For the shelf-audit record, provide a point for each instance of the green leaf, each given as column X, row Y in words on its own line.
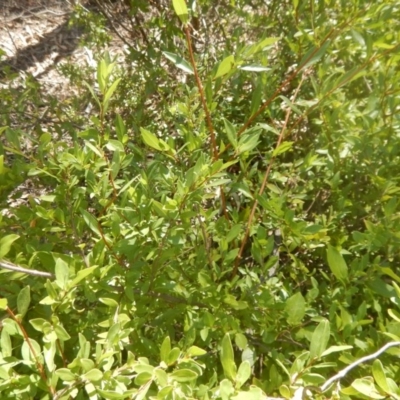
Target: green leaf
column 183, row 375
column 5, row 244
column 94, row 149
column 65, row 374
column 109, row 302
column 194, row 351
column 61, row 333
column 254, row 393
column 313, row 55
column 93, row 376
column 241, row 341
column 319, row 339
column 39, row 324
column 91, row 221
column 5, row 344
column 227, row 357
column 62, row 273
column 248, row 142
column 282, row 148
column 181, row 10
column 380, row 376
column 243, row 374
column 225, row 66
column 165, row 349
column 254, row 68
column 295, row 308
column 110, row 92
column 179, row 62
column 112, row 395
column 82, row 274
column 336, row 263
column 150, row 139
column 173, row 355
column 366, row 387
column 226, row 389
column 335, row 349
column 230, row 131
column 23, row 300
column 234, row 233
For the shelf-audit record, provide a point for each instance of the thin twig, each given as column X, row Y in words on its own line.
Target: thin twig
column 214, row 150
column 264, row 183
column 344, row 371
column 13, row 267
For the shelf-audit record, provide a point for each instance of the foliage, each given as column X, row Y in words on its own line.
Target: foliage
column 214, row 229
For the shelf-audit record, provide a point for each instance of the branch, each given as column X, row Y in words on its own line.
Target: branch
column 13, row 267
column 344, row 371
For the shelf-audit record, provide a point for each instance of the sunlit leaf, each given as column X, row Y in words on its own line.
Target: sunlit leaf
column 179, row 62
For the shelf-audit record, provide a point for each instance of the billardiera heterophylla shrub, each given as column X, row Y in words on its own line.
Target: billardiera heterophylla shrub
column 243, row 245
